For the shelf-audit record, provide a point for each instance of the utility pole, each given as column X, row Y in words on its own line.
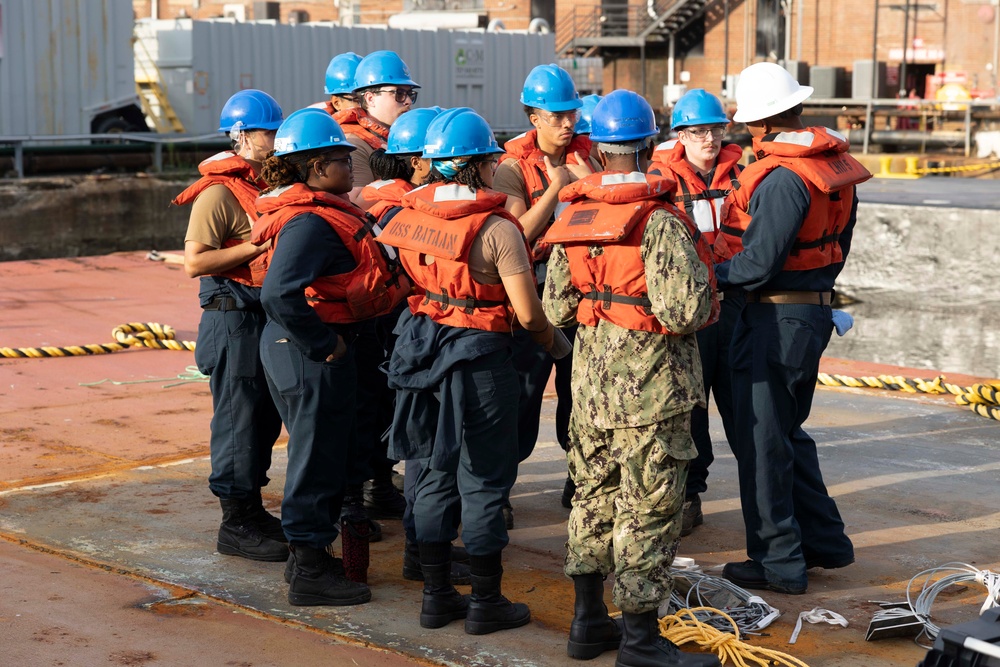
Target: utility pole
column 906, row 43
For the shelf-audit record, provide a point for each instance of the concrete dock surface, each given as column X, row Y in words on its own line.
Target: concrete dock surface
column 108, row 527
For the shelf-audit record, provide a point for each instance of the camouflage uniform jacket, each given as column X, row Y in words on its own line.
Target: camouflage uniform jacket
column 624, row 378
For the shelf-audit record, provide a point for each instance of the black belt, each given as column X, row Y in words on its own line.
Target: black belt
column 222, row 303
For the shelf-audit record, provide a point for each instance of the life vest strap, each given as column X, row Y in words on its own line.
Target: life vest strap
column 468, row 304
column 607, row 297
column 732, row 231
column 818, row 243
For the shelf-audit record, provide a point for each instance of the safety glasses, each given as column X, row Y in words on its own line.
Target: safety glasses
column 558, row 119
column 399, row 94
column 701, row 132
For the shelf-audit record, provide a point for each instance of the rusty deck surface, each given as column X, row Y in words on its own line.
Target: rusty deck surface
column 107, row 525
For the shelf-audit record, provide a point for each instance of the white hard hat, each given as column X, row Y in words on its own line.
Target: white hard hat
column 765, row 90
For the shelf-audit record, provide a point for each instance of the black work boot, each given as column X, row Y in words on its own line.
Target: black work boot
column 383, row 500
column 692, row 516
column 268, row 524
column 412, row 570
column 593, row 632
column 442, row 604
column 644, row 646
column 338, row 566
column 489, row 610
column 318, row 579
column 239, row 535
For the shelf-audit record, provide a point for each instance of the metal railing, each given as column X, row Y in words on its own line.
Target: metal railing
column 593, row 22
column 157, row 142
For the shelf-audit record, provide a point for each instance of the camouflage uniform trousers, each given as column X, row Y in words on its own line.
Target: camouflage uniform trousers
column 626, row 514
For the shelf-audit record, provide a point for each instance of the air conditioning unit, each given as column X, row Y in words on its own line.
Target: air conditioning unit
column 235, row 11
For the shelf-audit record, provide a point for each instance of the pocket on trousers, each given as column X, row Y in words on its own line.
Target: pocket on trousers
column 243, row 344
column 206, row 350
column 283, row 365
column 794, row 342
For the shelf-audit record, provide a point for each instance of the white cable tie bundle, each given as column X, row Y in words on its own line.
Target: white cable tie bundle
column 991, row 580
column 817, row 615
column 767, row 619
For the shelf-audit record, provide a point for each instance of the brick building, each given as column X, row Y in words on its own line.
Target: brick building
column 514, row 14
column 819, row 40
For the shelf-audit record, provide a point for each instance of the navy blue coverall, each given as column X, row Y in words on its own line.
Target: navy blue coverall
column 316, row 398
column 776, row 349
column 245, row 423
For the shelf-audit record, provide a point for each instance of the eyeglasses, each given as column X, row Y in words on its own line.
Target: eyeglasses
column 702, row 132
column 558, row 119
column 346, row 158
column 400, row 94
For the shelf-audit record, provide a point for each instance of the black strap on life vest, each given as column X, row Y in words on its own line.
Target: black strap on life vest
column 468, row 304
column 718, row 193
column 732, row 231
column 799, row 246
column 606, row 297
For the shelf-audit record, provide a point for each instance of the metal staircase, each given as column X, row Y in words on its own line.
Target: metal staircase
column 153, row 98
column 583, row 31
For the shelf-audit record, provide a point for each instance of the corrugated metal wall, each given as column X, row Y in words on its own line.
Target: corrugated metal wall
column 455, row 68
column 60, row 60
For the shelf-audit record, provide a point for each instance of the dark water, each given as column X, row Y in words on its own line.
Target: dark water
column 920, row 331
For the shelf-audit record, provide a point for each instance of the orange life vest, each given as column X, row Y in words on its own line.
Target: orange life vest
column 238, row 175
column 702, row 203
column 386, row 195
column 439, row 222
column 524, row 148
column 611, row 209
column 358, row 122
column 530, row 158
column 372, row 288
column 819, row 156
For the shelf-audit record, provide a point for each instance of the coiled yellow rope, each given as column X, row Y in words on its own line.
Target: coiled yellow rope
column 683, row 628
column 983, row 399
column 133, row 334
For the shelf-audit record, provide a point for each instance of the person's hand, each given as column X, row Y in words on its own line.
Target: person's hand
column 558, row 176
column 264, row 247
column 579, row 170
column 544, row 337
column 339, row 351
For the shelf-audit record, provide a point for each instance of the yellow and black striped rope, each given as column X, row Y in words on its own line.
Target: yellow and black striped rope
column 983, row 399
column 958, row 168
column 133, row 334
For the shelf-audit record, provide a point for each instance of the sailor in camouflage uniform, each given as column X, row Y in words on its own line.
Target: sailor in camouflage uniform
column 625, row 266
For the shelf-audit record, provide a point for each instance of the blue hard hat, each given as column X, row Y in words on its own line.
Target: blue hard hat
column 586, row 112
column 457, row 133
column 252, row 109
column 309, row 129
column 622, row 116
column 340, row 74
column 698, row 107
column 380, row 68
column 407, row 134
column 551, row 88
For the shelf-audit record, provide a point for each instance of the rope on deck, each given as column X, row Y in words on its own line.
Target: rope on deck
column 983, row 399
column 134, row 334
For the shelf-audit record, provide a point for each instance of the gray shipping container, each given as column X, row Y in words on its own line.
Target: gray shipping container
column 202, row 63
column 66, row 67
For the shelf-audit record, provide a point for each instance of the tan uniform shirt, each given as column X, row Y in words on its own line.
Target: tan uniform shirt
column 217, row 217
